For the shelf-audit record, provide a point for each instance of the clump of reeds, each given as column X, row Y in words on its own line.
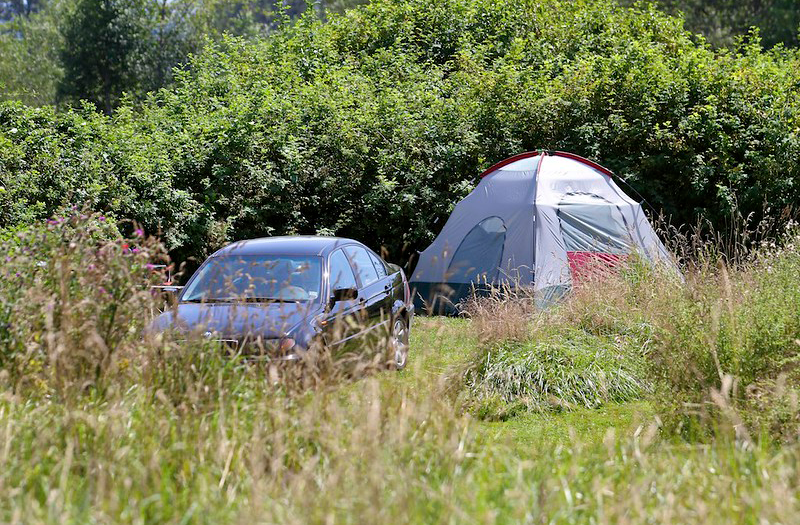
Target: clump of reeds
column 559, row 358
column 561, row 372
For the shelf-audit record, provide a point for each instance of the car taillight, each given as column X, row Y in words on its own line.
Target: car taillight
column 407, row 291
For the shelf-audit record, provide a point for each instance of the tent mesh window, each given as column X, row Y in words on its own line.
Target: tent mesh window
column 592, row 224
column 595, row 233
column 478, row 257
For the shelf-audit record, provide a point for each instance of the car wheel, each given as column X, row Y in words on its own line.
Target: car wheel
column 399, row 343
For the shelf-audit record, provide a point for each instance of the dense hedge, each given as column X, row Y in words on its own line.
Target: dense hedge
column 374, row 124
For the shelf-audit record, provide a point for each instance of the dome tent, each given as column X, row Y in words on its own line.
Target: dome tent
column 535, row 219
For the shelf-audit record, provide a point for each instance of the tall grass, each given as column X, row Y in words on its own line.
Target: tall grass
column 104, row 421
column 564, row 357
column 74, row 298
column 567, row 371
column 174, row 431
column 718, row 346
column 376, row 452
column 240, row 449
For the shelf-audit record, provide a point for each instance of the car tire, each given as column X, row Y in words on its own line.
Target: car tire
column 398, row 343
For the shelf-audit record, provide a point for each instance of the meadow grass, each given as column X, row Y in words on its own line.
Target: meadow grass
column 386, row 448
column 717, row 347
column 100, row 423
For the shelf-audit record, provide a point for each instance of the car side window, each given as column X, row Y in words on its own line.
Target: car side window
column 380, row 267
column 341, row 274
column 363, row 264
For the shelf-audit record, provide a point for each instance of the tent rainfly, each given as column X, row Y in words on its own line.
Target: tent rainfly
column 537, row 219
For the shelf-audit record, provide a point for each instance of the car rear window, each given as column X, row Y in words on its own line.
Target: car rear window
column 380, row 266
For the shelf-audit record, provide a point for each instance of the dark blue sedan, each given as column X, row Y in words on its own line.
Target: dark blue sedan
column 279, row 296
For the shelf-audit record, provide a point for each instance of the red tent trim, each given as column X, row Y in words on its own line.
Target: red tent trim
column 509, row 160
column 598, row 167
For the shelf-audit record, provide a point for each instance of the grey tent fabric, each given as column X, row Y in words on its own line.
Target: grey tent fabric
column 530, row 221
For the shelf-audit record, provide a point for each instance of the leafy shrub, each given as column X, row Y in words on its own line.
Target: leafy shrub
column 373, row 124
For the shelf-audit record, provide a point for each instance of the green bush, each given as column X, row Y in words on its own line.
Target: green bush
column 375, row 123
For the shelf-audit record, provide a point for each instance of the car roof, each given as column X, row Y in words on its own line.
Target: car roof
column 287, row 245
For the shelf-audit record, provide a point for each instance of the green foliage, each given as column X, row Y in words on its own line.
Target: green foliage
column 29, row 62
column 13, row 8
column 373, row 124
column 103, row 40
column 722, row 21
column 122, row 46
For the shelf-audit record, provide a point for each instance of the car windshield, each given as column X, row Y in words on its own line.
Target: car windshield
column 256, row 278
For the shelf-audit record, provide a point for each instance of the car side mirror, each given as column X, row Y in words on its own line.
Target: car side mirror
column 343, row 294
column 169, row 294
